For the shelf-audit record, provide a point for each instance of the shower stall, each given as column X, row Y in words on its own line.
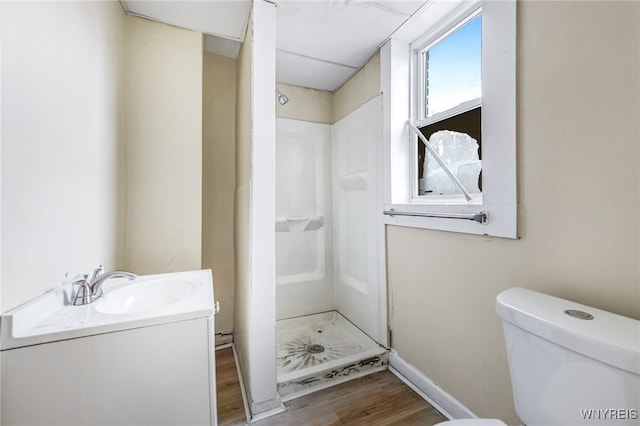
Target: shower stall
column 330, row 285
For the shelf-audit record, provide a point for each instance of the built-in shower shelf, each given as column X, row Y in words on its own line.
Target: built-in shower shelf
column 353, row 182
column 299, row 223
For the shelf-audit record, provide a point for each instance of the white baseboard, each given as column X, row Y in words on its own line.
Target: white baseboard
column 268, row 413
column 223, row 339
column 427, row 388
column 279, row 406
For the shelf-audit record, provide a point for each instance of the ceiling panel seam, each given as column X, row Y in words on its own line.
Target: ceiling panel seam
column 317, row 59
column 387, row 9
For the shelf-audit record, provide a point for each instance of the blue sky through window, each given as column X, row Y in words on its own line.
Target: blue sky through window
column 454, row 68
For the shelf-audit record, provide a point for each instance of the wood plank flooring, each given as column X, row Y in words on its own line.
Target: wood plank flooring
column 230, row 405
column 376, row 399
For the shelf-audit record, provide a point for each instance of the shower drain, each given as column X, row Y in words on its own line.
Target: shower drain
column 315, row 348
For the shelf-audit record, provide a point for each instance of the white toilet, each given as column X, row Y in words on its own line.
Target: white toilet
column 570, row 364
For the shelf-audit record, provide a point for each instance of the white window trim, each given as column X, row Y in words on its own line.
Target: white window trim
column 451, row 112
column 498, row 121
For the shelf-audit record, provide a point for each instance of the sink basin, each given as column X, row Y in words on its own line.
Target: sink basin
column 145, row 296
column 148, row 300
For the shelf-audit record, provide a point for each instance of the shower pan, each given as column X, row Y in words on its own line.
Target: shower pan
column 321, row 350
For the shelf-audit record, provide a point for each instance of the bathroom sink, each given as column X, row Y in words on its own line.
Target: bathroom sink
column 149, row 300
column 145, row 296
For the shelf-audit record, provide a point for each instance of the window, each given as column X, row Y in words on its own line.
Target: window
column 451, row 72
column 449, row 69
column 448, row 93
column 458, row 140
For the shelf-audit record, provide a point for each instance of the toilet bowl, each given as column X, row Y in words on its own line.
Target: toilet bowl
column 569, row 363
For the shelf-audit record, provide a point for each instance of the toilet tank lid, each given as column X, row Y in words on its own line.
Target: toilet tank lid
column 608, row 337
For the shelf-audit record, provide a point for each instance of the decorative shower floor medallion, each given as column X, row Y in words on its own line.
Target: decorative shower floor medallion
column 320, row 350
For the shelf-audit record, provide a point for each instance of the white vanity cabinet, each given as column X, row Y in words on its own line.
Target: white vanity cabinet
column 140, row 373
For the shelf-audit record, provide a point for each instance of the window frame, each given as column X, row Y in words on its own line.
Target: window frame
column 398, row 56
column 418, row 67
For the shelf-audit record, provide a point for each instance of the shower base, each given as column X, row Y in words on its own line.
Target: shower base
column 317, row 351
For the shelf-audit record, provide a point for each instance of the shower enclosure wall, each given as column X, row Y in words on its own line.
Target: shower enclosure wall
column 304, row 245
column 330, row 287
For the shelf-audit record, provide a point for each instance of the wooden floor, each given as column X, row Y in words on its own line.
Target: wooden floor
column 230, row 405
column 376, row 399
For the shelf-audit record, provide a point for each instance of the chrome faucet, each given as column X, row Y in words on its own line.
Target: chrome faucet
column 90, row 290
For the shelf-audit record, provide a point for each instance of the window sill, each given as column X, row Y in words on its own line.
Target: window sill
column 500, row 220
column 448, row 200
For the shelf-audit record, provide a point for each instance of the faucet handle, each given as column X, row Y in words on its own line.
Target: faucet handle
column 79, row 279
column 96, row 273
column 83, row 294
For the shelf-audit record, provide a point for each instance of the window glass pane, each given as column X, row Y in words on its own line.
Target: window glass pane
column 458, row 141
column 453, row 69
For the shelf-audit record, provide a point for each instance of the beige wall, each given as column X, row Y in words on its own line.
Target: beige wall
column 163, row 122
column 579, row 191
column 79, row 98
column 218, row 183
column 61, row 135
column 358, row 90
column 305, row 104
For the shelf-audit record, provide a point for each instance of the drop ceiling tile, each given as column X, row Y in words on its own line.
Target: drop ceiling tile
column 341, row 32
column 320, row 43
column 309, row 72
column 225, row 18
column 406, row 8
column 221, row 46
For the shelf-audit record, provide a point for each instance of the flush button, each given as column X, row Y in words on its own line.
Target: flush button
column 579, row 314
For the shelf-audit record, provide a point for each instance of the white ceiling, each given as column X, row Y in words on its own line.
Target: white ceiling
column 226, row 18
column 319, row 44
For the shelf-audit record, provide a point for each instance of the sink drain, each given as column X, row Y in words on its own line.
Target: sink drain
column 315, row 348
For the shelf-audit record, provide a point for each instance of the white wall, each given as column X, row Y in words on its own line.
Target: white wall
column 255, row 211
column 307, row 117
column 304, row 248
column 1, row 8
column 358, row 230
column 61, row 132
column 579, row 196
column 163, row 132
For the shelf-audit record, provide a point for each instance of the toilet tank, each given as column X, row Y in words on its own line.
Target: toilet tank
column 570, row 364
